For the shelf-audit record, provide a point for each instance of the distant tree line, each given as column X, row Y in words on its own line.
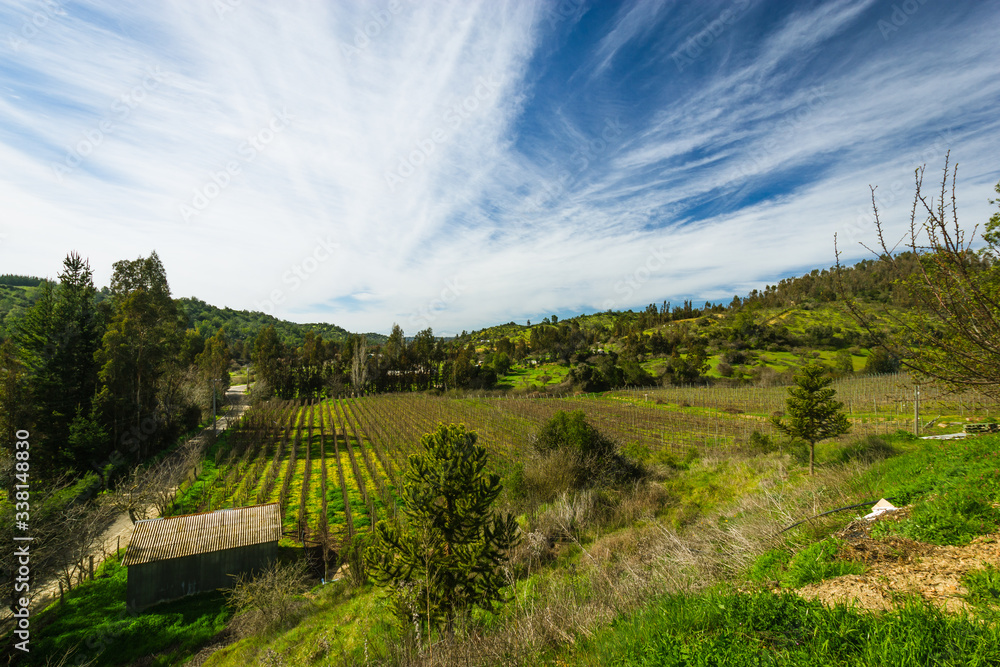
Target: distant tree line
column 20, row 281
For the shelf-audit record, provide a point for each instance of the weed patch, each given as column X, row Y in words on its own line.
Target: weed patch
column 769, row 566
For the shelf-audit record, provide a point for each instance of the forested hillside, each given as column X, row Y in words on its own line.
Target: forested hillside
column 243, row 326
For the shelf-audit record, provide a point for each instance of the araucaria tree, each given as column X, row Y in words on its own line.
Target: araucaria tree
column 445, row 556
column 813, row 414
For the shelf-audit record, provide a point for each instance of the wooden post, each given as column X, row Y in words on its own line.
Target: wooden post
column 91, row 568
column 60, row 593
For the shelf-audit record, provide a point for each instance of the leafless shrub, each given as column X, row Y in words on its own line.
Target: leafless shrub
column 269, row 600
column 534, row 551
column 80, row 527
column 568, row 516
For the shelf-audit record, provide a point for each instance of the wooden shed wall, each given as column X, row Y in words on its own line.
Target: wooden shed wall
column 163, row 580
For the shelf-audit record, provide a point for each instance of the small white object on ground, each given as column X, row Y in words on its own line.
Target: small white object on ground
column 880, row 508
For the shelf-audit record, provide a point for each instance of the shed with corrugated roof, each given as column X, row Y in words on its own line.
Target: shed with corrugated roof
column 182, row 555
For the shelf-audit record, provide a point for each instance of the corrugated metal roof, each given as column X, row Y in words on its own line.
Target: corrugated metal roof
column 189, row 534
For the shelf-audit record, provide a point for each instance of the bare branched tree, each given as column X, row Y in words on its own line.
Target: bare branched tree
column 359, row 365
column 83, row 524
column 956, row 287
column 134, row 494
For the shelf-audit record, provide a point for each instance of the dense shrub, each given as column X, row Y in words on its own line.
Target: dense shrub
column 761, row 443
column 572, row 451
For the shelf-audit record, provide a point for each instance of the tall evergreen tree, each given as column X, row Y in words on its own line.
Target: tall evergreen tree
column 35, row 338
column 213, row 364
column 447, row 556
column 141, row 342
column 57, row 340
column 15, row 403
column 267, row 353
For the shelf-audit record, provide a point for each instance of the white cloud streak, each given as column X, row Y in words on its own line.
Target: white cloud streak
column 418, row 148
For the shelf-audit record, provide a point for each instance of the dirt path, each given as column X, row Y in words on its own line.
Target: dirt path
column 120, row 531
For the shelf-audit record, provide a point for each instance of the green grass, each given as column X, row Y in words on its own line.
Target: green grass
column 730, row 628
column 983, row 586
column 342, row 626
column 817, row 562
column 951, row 484
column 93, row 622
column 769, row 566
column 954, row 517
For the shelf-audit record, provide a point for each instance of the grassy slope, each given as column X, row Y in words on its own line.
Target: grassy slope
column 798, row 320
column 93, row 623
column 952, row 486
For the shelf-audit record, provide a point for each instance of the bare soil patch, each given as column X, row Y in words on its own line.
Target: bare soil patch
column 897, row 568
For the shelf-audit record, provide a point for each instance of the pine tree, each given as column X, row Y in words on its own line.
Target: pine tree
column 56, row 341
column 813, row 413
column 445, row 557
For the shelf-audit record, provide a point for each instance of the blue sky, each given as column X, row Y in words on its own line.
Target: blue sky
column 459, row 164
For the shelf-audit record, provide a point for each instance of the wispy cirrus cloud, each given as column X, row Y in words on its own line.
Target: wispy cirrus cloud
column 533, row 156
